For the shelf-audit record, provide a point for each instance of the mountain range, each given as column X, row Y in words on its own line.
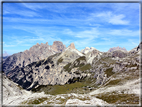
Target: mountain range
column 46, row 68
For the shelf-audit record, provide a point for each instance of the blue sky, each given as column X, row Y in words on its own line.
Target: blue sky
column 99, row 25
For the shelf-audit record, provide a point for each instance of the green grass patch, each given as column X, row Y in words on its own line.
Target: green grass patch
column 85, row 67
column 106, row 61
column 78, row 63
column 133, row 77
column 66, row 68
column 132, row 65
column 81, row 58
column 35, row 101
column 59, row 89
column 59, row 61
column 76, row 87
column 119, row 98
column 114, row 82
column 109, row 72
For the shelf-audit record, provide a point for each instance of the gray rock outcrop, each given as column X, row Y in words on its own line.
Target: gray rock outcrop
column 49, row 71
column 35, row 53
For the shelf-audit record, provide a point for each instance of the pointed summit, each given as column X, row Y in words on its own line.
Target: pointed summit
column 72, row 46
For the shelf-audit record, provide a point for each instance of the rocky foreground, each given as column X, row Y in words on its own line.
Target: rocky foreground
column 67, row 76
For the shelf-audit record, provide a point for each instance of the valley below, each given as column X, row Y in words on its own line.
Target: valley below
column 56, row 75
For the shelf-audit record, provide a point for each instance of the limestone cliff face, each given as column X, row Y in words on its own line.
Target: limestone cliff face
column 58, row 46
column 72, row 46
column 35, row 53
column 49, row 71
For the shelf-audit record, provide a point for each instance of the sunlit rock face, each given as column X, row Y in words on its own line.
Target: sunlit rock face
column 35, row 53
column 58, row 46
column 49, row 71
column 72, row 46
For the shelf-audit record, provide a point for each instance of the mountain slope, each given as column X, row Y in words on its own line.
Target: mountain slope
column 49, row 71
column 92, row 73
column 35, row 53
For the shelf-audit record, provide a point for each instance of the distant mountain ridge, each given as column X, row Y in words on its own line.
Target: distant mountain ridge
column 117, row 48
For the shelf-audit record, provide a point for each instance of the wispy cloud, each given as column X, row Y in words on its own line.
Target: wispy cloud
column 99, row 25
column 116, row 19
column 22, row 13
column 91, row 34
column 13, row 10
column 85, row 34
column 8, row 45
column 134, row 41
column 124, row 32
column 34, row 6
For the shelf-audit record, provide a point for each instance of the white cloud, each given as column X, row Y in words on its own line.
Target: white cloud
column 8, row 45
column 9, row 9
column 23, row 13
column 134, row 42
column 112, row 18
column 86, row 34
column 124, row 32
column 68, row 31
column 118, row 19
column 93, row 33
column 106, row 39
column 84, row 38
column 34, row 6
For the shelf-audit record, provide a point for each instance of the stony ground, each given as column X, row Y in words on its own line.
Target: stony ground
column 119, row 95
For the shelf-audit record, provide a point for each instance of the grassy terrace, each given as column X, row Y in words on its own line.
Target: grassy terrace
column 78, row 63
column 35, row 101
column 67, row 67
column 76, row 87
column 109, row 72
column 85, row 67
column 59, row 61
column 115, row 98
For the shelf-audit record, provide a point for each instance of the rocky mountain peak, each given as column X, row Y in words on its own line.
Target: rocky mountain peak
column 72, row 46
column 117, row 48
column 46, row 43
column 87, row 49
column 58, row 46
column 35, row 53
column 37, row 44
